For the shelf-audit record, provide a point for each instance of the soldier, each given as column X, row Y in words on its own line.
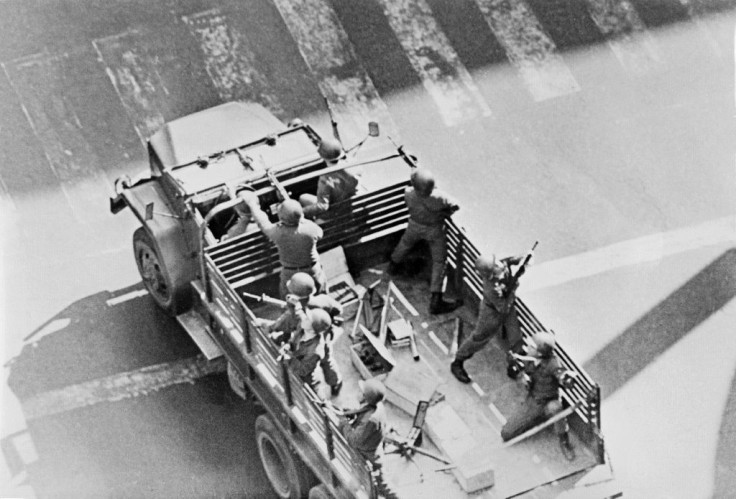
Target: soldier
column 241, row 225
column 428, row 209
column 496, row 310
column 295, row 238
column 546, row 375
column 332, row 187
column 307, row 345
column 366, row 426
column 301, row 286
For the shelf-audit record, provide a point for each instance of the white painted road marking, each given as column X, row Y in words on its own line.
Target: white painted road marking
column 632, row 252
column 529, row 48
column 120, row 386
column 478, row 389
column 229, row 61
column 497, row 413
column 343, row 80
column 626, row 33
column 439, row 343
column 135, row 77
column 51, row 327
column 434, row 59
column 127, row 296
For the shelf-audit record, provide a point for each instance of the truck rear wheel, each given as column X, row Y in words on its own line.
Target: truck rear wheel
column 155, row 276
column 288, row 476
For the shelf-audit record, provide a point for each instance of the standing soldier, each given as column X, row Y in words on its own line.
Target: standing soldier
column 546, row 376
column 307, row 345
column 294, row 237
column 496, row 310
column 301, row 287
column 333, row 187
column 428, row 209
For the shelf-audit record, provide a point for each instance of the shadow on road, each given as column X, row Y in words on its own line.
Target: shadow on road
column 664, row 325
column 725, row 472
column 187, row 439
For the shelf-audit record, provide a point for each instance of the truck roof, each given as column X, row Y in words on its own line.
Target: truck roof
column 206, row 132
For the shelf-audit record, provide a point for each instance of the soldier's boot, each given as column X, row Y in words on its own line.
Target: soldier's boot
column 567, row 449
column 439, row 306
column 457, row 370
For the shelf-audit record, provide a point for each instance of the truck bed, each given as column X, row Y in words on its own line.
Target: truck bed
column 482, row 406
column 463, row 422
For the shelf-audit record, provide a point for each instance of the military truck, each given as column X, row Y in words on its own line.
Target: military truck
column 445, row 439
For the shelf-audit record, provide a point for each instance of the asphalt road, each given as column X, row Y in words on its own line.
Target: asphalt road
column 601, row 128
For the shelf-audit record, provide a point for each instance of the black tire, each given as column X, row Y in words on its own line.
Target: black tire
column 320, row 492
column 289, row 477
column 163, row 289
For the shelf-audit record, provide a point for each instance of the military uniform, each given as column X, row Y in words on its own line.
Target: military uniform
column 542, row 402
column 306, row 354
column 297, row 247
column 427, row 223
column 332, row 188
column 365, row 431
column 289, row 322
column 495, row 311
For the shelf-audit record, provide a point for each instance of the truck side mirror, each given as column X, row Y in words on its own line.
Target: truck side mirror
column 149, row 211
column 373, row 130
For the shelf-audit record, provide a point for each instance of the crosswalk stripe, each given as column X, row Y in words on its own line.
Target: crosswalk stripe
column 119, row 386
column 39, row 82
column 434, row 59
column 648, row 248
column 696, row 10
column 133, row 73
column 229, row 61
column 627, row 35
column 529, row 48
column 341, row 77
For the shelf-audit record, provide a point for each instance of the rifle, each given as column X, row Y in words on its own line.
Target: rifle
column 265, row 299
column 410, row 160
column 406, row 449
column 335, row 131
column 522, row 268
column 280, row 189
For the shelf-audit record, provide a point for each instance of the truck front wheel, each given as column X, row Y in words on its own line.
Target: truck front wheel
column 288, row 476
column 155, row 276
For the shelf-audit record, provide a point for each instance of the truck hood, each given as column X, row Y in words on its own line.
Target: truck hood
column 213, row 130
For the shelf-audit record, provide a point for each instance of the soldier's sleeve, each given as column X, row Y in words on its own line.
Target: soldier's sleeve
column 450, row 204
column 263, row 222
column 360, row 433
column 324, row 194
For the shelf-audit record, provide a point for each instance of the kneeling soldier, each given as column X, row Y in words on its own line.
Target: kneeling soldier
column 546, row 376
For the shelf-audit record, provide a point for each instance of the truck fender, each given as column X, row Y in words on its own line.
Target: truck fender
column 167, row 234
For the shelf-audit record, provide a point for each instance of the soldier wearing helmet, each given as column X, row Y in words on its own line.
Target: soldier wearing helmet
column 366, row 426
column 295, row 239
column 332, row 188
column 243, row 221
column 428, row 209
column 307, row 344
column 546, row 376
column 496, row 311
column 302, row 289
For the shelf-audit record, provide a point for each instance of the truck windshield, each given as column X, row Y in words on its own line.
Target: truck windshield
column 294, row 148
